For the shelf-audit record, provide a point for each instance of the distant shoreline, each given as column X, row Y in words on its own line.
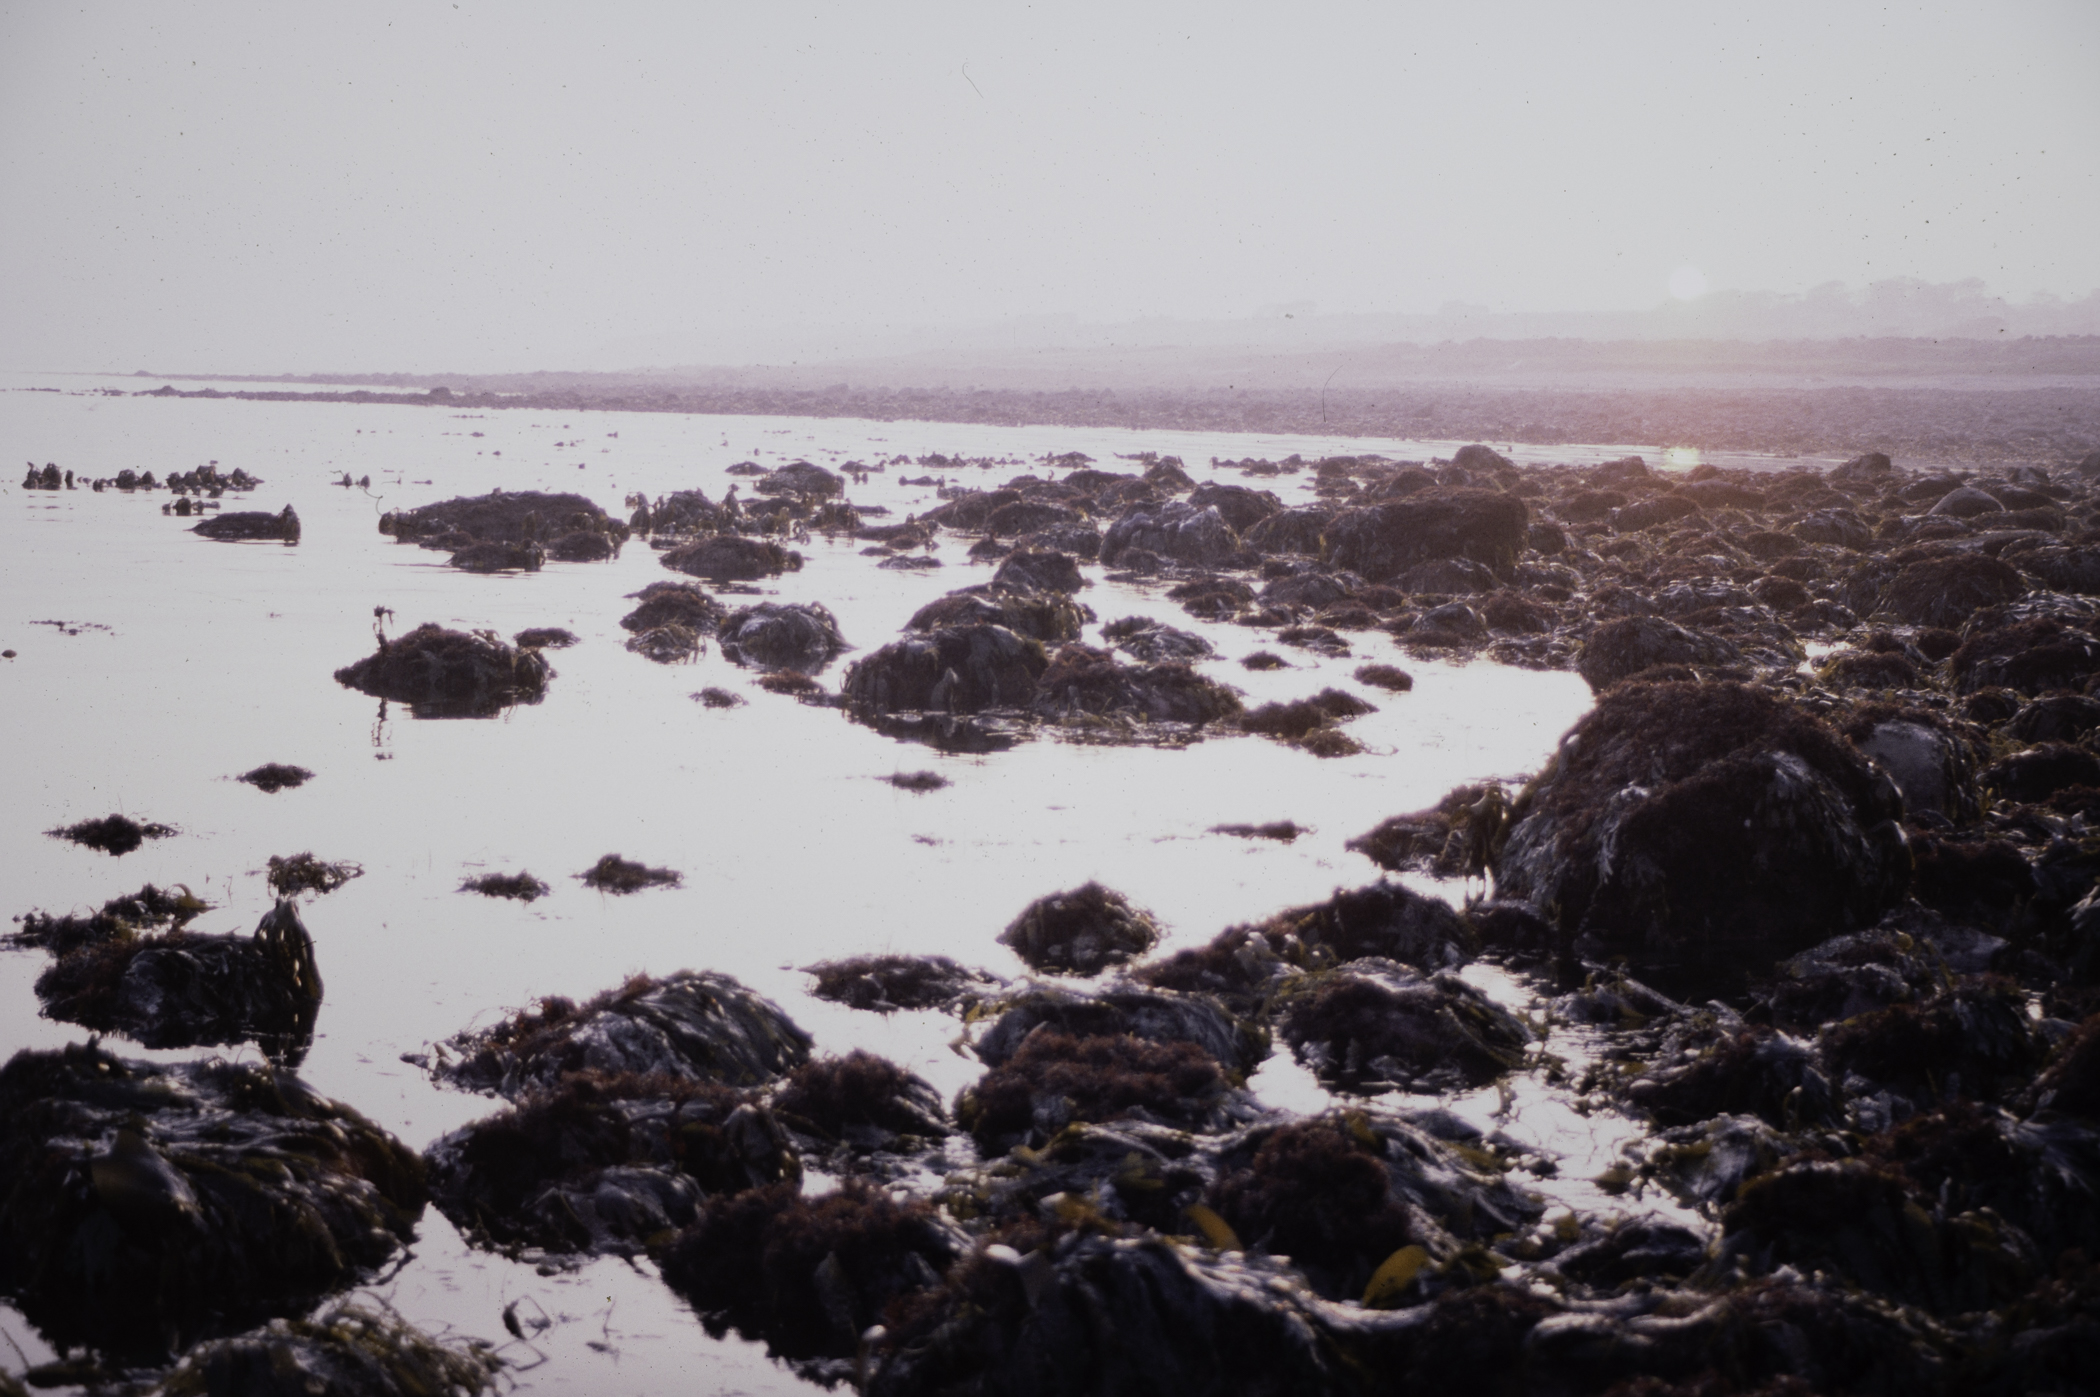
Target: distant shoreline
column 2055, row 425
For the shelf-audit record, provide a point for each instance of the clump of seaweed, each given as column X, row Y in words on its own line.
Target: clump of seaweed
column 788, row 681
column 1391, row 678
column 886, row 984
column 120, row 917
column 861, row 1099
column 1265, row 659
column 809, row 1275
column 1057, row 1078
column 116, row 835
column 450, row 673
column 544, row 638
column 1282, row 831
column 1296, row 720
column 521, row 886
column 358, row 1346
column 613, row 874
column 1081, row 932
column 276, row 776
column 920, row 781
column 303, row 873
column 668, row 644
column 719, row 698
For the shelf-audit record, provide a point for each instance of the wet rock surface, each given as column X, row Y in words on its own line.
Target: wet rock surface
column 154, row 1205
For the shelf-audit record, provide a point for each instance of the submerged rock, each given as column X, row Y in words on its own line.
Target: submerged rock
column 1688, row 814
column 447, row 673
column 692, row 1025
column 151, row 1205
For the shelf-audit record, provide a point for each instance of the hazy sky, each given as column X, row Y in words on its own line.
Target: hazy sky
column 473, row 186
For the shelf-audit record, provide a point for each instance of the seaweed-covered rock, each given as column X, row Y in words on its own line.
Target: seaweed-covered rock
column 1080, row 932
column 272, row 777
column 353, row 1347
column 2056, row 718
column 1375, row 1026
column 1458, row 836
column 605, row 1162
column 673, row 604
column 800, row 478
column 1344, row 1193
column 1083, row 680
column 1383, row 920
column 888, row 983
column 1299, row 531
column 501, row 516
column 1704, row 814
column 861, row 1101
column 1709, row 1067
column 732, row 558
column 1158, row 1016
column 447, row 673
column 1381, row 541
column 1971, row 1040
column 800, row 636
column 1176, row 529
column 691, row 1025
column 1044, row 616
column 1947, row 591
column 1930, row 764
column 668, row 644
column 2040, row 772
column 127, row 916
column 156, row 1204
column 493, row 555
column 808, row 1275
column 958, row 669
column 1184, row 1321
column 1620, row 649
column 1039, row 570
column 251, row 524
column 183, row 988
column 1151, row 642
column 2032, row 655
column 1054, row 1079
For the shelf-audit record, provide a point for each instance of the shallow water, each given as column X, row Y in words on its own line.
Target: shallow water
column 183, row 662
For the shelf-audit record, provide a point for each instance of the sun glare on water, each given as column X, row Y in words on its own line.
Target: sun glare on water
column 1688, row 283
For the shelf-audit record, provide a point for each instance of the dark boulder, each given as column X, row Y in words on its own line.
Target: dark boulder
column 1841, row 527
column 800, row 478
column 1150, row 642
column 957, row 669
column 2057, row 718
column 2040, row 772
column 1695, row 814
column 1055, row 1079
column 443, row 672
column 801, row 636
column 673, row 603
column 1027, row 569
column 1376, row 1026
column 1083, row 680
column 2075, row 569
column 1930, row 764
column 1623, row 648
column 150, row 1205
column 1966, row 502
column 2032, row 656
column 732, row 558
column 249, row 524
column 1177, row 529
column 1155, row 1015
column 1653, row 513
column 1382, row 541
column 1045, row 616
column 693, row 1025
column 1298, row 531
column 1080, row 932
column 1241, row 507
column 1947, row 591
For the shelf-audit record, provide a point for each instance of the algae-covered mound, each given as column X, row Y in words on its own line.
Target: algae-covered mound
column 605, row 1162
column 272, row 777
column 809, row 1275
column 732, row 558
column 352, row 1348
column 1081, row 932
column 1706, row 813
column 182, row 988
column 444, row 673
column 1055, row 1079
column 150, row 1205
column 500, row 516
column 694, row 1024
column 888, row 983
column 1042, row 615
column 1084, row 680
column 251, row 524
column 1382, row 540
column 954, row 669
column 1373, row 1026
column 117, row 835
column 800, row 636
column 1155, row 1015
column 128, row 915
